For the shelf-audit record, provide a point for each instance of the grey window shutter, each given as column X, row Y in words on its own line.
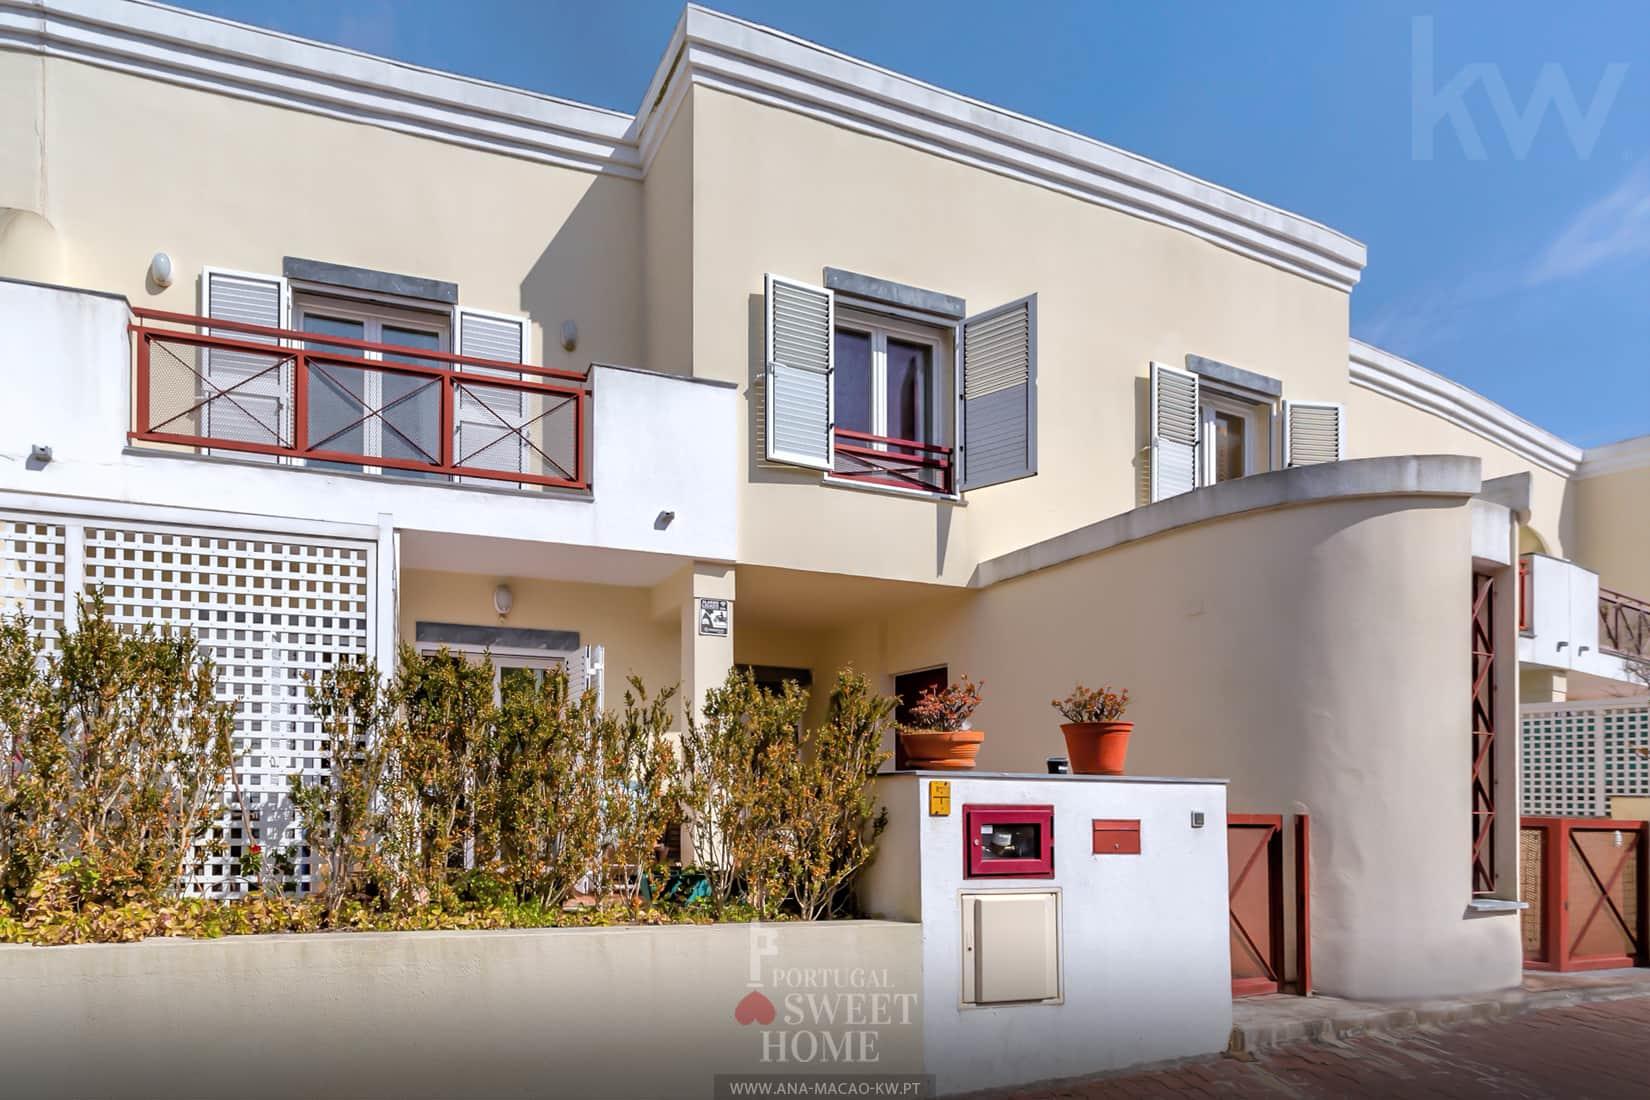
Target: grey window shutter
column 487, row 419
column 247, row 396
column 1174, row 424
column 799, row 398
column 1313, row 432
column 999, row 394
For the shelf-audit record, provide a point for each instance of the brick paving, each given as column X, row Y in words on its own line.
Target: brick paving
column 1576, row 1053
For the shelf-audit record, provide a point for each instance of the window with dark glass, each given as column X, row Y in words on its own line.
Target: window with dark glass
column 368, row 411
column 892, row 385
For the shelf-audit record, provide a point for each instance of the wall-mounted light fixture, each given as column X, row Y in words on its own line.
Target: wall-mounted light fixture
column 160, row 270
column 663, row 520
column 503, row 600
column 569, row 335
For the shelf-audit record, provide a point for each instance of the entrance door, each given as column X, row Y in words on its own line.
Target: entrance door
column 1254, row 869
column 906, row 688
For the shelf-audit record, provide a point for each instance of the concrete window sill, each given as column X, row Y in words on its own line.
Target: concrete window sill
column 1496, row 905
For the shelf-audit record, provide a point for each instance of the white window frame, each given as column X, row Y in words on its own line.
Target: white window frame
column 944, row 403
column 373, row 312
column 1257, row 431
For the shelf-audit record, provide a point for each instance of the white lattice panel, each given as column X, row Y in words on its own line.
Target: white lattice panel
column 32, row 565
column 271, row 612
column 1574, row 756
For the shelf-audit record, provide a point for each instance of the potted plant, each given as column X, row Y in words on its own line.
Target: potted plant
column 936, row 732
column 1097, row 740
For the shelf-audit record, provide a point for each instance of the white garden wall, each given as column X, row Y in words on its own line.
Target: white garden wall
column 602, row 1012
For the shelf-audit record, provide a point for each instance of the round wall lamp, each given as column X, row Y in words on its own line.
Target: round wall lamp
column 160, row 270
column 503, row 600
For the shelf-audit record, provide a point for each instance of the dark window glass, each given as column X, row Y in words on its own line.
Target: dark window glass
column 337, row 392
column 412, row 403
column 1229, row 429
column 853, row 381
column 910, row 391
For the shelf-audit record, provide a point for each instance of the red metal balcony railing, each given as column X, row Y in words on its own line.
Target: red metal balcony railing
column 225, row 387
column 1524, row 594
column 898, row 463
column 1623, row 625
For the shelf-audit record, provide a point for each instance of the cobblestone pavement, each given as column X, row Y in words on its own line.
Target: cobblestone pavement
column 1584, row 1051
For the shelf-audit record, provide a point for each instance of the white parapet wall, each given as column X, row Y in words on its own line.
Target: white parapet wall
column 590, row 1012
column 1142, row 967
column 662, row 443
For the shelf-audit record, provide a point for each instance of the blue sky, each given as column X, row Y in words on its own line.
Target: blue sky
column 1522, row 271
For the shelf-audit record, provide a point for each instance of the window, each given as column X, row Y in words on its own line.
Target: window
column 926, row 400
column 1234, row 436
column 907, row 687
column 893, row 386
column 512, row 672
column 358, row 410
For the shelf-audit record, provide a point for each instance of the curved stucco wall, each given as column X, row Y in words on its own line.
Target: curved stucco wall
column 1381, row 425
column 1315, row 654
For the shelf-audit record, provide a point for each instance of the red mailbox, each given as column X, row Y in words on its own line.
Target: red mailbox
column 1113, row 837
column 1008, row 841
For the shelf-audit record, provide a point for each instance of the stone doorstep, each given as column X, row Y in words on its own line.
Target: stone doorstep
column 1260, row 1022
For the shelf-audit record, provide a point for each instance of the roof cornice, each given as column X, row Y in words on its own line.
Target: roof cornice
column 731, row 55
column 1413, row 384
column 708, row 50
column 216, row 55
column 1616, row 458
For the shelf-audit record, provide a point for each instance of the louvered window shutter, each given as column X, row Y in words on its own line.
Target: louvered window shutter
column 999, row 394
column 488, row 421
column 1313, row 431
column 1174, row 424
column 798, row 382
column 246, row 396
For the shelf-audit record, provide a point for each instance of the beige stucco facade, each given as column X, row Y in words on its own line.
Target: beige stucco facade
column 1311, row 648
column 1612, row 519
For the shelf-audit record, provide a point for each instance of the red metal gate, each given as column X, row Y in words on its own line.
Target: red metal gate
column 1254, row 868
column 1585, row 880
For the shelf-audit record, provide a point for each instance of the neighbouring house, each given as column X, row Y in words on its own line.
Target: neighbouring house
column 805, row 363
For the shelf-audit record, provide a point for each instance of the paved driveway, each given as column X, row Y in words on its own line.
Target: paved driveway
column 1586, row 1051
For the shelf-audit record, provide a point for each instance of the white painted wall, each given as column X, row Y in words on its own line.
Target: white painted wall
column 1146, row 969
column 1563, row 619
column 587, row 1012
column 661, row 444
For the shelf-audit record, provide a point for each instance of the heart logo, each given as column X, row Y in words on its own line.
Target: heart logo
column 754, row 1008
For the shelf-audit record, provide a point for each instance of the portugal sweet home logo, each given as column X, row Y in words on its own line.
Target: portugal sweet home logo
column 818, row 1015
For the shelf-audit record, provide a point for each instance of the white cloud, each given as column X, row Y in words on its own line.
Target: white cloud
column 1613, row 228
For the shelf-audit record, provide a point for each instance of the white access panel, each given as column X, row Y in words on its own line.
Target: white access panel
column 1011, row 947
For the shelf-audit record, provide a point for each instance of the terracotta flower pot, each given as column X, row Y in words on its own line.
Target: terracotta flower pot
column 941, row 749
column 1097, row 748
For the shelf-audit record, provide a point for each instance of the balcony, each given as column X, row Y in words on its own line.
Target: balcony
column 226, row 388
column 1566, row 621
column 1623, row 625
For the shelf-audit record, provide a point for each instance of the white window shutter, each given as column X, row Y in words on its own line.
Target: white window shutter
column 1175, row 420
column 247, row 395
column 486, row 418
column 999, row 394
column 798, row 382
column 1313, row 432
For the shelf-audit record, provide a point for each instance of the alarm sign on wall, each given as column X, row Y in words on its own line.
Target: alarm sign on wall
column 713, row 617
